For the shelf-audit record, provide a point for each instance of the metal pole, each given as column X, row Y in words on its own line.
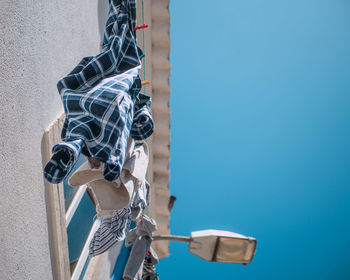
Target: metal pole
column 171, row 238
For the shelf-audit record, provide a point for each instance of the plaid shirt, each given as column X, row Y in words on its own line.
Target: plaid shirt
column 142, row 126
column 99, row 96
column 119, row 54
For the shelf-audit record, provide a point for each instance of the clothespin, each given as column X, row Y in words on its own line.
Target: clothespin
column 140, row 26
column 144, row 83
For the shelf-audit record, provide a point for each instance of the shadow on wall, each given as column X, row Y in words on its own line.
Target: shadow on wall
column 102, row 10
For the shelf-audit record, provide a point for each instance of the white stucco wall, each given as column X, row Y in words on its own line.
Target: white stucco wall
column 40, row 41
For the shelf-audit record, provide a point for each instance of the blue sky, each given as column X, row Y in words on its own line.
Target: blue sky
column 260, row 135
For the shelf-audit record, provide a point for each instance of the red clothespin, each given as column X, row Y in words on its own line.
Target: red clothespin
column 140, row 26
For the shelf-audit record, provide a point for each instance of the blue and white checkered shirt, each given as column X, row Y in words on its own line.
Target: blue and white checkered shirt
column 99, row 98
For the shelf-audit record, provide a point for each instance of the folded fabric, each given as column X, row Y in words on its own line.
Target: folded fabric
column 111, row 196
column 98, row 96
column 114, row 229
column 65, row 155
column 141, row 238
column 142, row 126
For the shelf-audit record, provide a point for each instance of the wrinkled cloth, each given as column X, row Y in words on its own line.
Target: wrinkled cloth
column 112, row 196
column 103, row 118
column 142, row 126
column 65, row 156
column 140, row 202
column 140, row 238
column 99, row 96
column 114, row 229
column 149, row 271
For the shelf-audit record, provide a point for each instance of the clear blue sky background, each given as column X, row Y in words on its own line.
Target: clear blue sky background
column 260, row 143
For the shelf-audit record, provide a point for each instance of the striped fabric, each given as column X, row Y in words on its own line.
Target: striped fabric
column 99, row 96
column 111, row 230
column 115, row 228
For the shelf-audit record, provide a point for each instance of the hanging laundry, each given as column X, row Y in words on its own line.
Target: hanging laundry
column 114, row 229
column 140, row 238
column 98, row 98
column 111, row 196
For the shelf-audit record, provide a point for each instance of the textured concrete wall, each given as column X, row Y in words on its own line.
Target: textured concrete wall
column 40, row 41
